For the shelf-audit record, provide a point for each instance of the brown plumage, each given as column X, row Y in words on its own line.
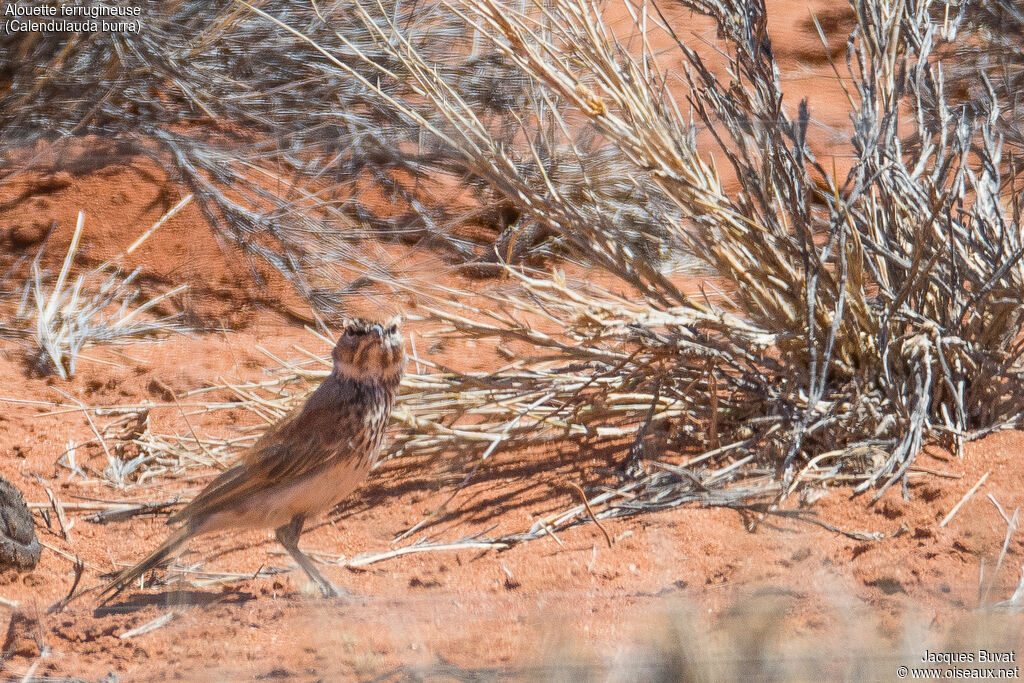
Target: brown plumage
column 306, row 463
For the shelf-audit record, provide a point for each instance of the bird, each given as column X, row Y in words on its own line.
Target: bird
column 304, row 464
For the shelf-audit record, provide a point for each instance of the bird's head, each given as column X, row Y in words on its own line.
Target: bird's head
column 369, row 351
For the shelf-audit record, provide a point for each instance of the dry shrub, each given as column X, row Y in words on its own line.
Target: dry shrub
column 863, row 316
column 985, row 68
column 297, row 158
column 870, row 312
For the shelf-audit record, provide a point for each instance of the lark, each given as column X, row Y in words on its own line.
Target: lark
column 305, row 464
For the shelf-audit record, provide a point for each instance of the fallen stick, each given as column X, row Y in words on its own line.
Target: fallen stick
column 590, row 510
column 74, row 559
column 123, row 513
column 98, row 506
column 80, row 506
column 58, row 508
column 364, row 560
column 967, row 496
column 153, row 625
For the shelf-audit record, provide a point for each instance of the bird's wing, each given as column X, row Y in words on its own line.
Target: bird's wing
column 230, row 486
column 303, row 442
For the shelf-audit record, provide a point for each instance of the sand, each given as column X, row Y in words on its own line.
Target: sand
column 548, row 603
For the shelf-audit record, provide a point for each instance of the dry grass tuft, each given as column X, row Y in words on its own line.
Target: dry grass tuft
column 98, row 307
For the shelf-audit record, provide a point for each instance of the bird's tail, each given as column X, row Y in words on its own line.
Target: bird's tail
column 127, row 576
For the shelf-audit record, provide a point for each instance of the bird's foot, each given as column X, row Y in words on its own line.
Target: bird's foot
column 329, row 590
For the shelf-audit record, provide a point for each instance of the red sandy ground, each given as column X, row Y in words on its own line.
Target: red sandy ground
column 545, row 603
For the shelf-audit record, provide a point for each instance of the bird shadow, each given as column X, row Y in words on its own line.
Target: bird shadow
column 174, row 598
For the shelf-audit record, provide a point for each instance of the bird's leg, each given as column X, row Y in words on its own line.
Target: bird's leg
column 288, row 536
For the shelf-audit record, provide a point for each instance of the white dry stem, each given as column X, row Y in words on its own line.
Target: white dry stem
column 69, row 318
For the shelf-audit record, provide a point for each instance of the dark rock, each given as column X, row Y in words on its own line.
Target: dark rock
column 19, row 547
